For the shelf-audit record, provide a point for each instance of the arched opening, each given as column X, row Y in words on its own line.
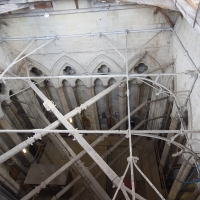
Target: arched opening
column 20, row 110
column 14, row 172
column 103, row 69
column 36, row 71
column 80, row 95
column 141, row 68
column 79, row 83
column 185, row 117
column 86, row 123
column 111, row 122
column 145, row 94
column 68, row 71
column 101, row 104
column 113, row 103
column 2, row 88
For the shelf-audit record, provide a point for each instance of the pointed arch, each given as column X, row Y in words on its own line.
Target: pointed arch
column 147, row 60
column 103, row 60
column 66, row 61
column 98, row 82
column 11, row 85
column 111, row 81
column 32, row 63
column 61, row 64
column 134, row 60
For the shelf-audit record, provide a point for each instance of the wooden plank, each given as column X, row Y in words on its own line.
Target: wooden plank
column 166, row 4
column 164, row 14
column 21, row 1
column 192, row 4
column 25, row 1
column 189, row 13
column 43, row 5
column 11, row 7
column 76, row 3
column 38, row 5
column 197, row 16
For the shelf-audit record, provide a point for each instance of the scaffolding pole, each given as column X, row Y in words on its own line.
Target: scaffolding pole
column 65, row 189
column 92, row 153
column 111, row 163
column 55, row 124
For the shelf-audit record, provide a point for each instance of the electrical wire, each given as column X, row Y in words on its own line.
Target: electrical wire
column 186, row 182
column 193, row 181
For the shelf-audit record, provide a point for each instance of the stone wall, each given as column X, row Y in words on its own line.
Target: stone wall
column 190, row 39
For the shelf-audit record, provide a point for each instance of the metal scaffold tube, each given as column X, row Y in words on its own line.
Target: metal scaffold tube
column 17, row 59
column 120, row 183
column 94, row 164
column 112, row 162
column 129, row 121
column 28, row 142
column 128, row 104
column 92, row 153
column 182, row 147
column 77, row 134
column 96, row 75
column 83, row 35
column 40, row 133
column 54, row 125
column 134, row 160
column 111, row 131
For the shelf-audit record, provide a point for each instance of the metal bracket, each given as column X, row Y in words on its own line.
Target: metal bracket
column 49, row 105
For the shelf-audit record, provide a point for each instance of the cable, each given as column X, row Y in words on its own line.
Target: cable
column 186, row 182
column 193, row 181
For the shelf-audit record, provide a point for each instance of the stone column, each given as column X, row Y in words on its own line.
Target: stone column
column 11, row 111
column 7, row 180
column 44, row 90
column 93, row 110
column 5, row 147
column 166, row 150
column 122, row 104
column 55, row 97
column 63, row 100
column 72, row 103
column 15, row 137
column 28, row 97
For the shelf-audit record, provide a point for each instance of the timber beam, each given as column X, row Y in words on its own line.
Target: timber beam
column 20, row 4
column 164, row 14
column 193, row 5
column 76, row 3
column 12, row 7
column 190, row 13
column 166, row 4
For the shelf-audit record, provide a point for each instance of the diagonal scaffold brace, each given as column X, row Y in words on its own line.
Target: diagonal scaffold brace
column 87, row 147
